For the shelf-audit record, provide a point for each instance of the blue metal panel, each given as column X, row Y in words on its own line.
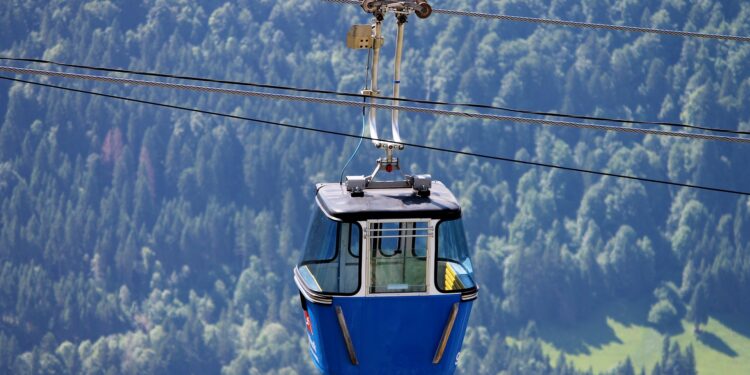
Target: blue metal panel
column 394, row 335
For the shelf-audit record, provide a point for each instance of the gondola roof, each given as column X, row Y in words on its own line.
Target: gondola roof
column 399, row 203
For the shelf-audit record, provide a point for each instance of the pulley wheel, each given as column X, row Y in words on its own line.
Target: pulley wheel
column 424, row 10
column 368, row 6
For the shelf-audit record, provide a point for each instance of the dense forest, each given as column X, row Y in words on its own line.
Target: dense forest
column 137, row 239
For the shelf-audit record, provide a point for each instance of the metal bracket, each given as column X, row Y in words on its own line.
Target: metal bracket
column 421, row 184
column 363, row 37
column 370, row 37
column 419, row 7
column 360, row 37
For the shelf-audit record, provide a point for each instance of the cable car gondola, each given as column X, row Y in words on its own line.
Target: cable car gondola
column 385, row 280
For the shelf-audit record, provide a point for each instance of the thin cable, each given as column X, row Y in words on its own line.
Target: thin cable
column 307, row 99
column 588, row 25
column 386, row 98
column 359, row 144
column 585, row 25
column 420, row 146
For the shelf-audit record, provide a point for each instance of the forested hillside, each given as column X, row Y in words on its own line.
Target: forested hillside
column 137, row 239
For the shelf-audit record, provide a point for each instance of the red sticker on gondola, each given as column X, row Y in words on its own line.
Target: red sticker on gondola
column 308, row 324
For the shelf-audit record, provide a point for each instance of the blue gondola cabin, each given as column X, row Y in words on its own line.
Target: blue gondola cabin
column 385, row 281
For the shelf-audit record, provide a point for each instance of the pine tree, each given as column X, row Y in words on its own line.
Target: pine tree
column 689, row 361
column 698, row 307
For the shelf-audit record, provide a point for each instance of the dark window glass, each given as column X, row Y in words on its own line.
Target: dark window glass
column 354, row 245
column 330, row 263
column 321, row 239
column 454, row 271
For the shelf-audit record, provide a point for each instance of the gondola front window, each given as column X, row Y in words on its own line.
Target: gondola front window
column 454, row 270
column 330, row 263
column 398, row 256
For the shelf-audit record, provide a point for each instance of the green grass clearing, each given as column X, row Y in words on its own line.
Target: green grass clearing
column 724, row 347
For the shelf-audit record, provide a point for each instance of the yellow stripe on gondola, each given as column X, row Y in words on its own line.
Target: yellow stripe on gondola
column 452, row 282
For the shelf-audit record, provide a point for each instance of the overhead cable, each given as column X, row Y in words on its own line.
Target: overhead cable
column 585, row 25
column 387, row 98
column 432, row 111
column 415, row 145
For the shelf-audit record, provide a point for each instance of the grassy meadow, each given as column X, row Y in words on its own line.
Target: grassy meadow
column 722, row 347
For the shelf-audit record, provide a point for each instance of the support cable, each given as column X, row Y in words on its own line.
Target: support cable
column 421, row 146
column 585, row 25
column 348, row 103
column 386, row 98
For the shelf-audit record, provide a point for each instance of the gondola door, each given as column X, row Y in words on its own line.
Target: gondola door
column 398, row 257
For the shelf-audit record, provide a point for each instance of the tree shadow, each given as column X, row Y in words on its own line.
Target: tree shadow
column 716, row 343
column 579, row 338
column 629, row 312
column 671, row 329
column 593, row 330
column 735, row 322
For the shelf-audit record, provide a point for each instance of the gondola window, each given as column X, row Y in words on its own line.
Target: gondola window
column 398, row 251
column 331, row 260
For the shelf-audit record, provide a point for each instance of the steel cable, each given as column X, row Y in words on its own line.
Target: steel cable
column 349, row 103
column 586, row 25
column 387, row 98
column 415, row 145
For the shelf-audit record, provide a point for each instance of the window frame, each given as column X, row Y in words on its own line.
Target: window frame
column 337, row 255
column 438, row 259
column 429, row 248
column 379, row 240
column 413, row 244
column 359, row 246
column 320, row 214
